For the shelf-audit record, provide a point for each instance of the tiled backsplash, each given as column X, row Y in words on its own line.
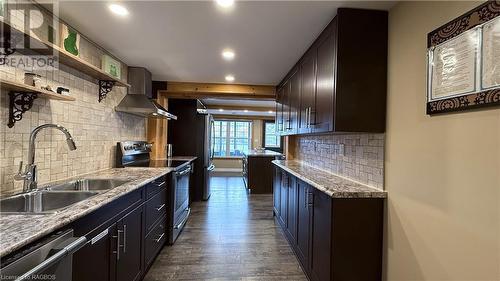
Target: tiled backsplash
column 96, row 127
column 356, row 156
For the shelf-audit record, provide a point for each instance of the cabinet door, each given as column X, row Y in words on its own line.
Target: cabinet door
column 286, row 107
column 95, row 260
column 294, row 102
column 321, row 236
column 284, row 199
column 129, row 259
column 303, row 223
column 277, row 191
column 279, row 111
column 307, row 91
column 323, row 113
column 292, row 209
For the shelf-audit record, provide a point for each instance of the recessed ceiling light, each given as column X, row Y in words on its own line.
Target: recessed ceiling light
column 225, row 3
column 118, row 9
column 229, row 78
column 228, row 54
column 246, row 110
column 220, row 109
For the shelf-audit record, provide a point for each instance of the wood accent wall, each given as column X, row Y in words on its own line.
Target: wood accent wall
column 157, row 128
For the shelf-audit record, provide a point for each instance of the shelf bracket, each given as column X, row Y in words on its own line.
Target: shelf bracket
column 19, row 104
column 105, row 86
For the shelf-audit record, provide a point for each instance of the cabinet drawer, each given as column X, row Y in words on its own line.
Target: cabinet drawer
column 156, row 207
column 154, row 241
column 155, row 186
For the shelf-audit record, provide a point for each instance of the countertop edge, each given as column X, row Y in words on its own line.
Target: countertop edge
column 376, row 194
column 40, row 233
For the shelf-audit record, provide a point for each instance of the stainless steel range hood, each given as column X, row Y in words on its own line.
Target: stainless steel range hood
column 138, row 101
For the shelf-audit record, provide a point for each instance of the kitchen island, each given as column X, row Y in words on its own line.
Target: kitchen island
column 258, row 170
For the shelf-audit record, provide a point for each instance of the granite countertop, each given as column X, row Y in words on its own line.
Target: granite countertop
column 331, row 184
column 17, row 231
column 269, row 153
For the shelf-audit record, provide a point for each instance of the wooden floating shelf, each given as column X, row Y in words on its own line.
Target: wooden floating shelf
column 65, row 57
column 21, row 88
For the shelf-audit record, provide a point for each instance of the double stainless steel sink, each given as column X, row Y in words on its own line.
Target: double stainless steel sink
column 56, row 197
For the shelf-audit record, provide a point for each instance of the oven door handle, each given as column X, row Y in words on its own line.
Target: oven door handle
column 179, row 225
column 183, row 172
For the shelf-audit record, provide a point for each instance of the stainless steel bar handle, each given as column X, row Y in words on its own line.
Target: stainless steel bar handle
column 159, row 238
column 179, row 225
column 68, row 250
column 162, row 184
column 124, row 238
column 118, row 244
column 161, row 207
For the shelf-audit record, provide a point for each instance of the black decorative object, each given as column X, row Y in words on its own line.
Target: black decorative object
column 105, row 87
column 483, row 98
column 19, row 104
column 7, row 49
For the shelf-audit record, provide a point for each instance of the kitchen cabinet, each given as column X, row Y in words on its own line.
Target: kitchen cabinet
column 258, row 171
column 125, row 235
column 284, row 200
column 279, row 111
column 321, row 227
column 293, row 102
column 342, row 77
column 303, row 224
column 277, row 192
column 307, row 91
column 336, row 238
column 128, row 251
column 292, row 209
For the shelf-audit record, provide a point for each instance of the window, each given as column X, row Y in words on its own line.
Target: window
column 271, row 139
column 231, row 138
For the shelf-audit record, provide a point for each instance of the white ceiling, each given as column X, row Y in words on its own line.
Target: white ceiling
column 182, row 40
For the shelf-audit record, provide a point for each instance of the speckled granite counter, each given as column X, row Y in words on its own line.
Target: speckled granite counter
column 19, row 230
column 265, row 153
column 335, row 186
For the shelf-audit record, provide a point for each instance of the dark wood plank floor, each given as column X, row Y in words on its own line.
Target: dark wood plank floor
column 232, row 236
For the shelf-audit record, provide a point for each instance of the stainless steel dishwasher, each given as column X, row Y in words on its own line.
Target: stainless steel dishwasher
column 48, row 260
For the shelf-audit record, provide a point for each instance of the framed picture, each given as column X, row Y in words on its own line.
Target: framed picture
column 70, row 40
column 463, row 60
column 111, row 66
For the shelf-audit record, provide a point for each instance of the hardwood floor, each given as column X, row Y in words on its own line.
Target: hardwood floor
column 232, row 236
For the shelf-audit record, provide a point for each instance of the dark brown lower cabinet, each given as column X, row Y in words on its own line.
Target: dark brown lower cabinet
column 284, row 200
column 336, row 238
column 123, row 237
column 303, row 224
column 130, row 234
column 277, row 191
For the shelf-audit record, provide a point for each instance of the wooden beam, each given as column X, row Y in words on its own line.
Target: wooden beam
column 191, row 90
column 241, row 117
column 240, row 107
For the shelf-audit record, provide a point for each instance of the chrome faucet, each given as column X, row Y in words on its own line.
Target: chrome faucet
column 29, row 176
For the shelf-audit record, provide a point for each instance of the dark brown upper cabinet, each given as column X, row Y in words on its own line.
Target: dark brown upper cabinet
column 341, row 81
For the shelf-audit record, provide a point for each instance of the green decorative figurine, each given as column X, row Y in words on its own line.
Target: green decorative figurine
column 70, row 42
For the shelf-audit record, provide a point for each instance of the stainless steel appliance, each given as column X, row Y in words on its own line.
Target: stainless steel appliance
column 139, row 101
column 208, row 155
column 47, row 260
column 136, row 154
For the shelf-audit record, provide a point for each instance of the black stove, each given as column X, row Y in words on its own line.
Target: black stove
column 136, row 154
